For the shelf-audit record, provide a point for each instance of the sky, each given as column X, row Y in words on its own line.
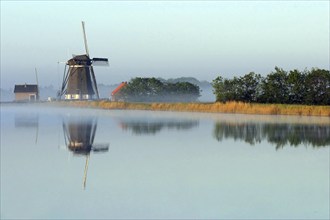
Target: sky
column 168, row 39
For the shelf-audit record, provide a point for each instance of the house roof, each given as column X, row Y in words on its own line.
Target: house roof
column 26, row 88
column 119, row 88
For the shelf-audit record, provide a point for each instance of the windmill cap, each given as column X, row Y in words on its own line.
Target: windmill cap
column 80, row 60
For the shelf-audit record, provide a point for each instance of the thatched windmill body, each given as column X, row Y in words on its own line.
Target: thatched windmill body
column 79, row 80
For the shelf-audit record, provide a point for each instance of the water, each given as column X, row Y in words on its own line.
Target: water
column 63, row 163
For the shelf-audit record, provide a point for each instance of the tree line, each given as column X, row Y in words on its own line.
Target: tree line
column 154, row 90
column 311, row 87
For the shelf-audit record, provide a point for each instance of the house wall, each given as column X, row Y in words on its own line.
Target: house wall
column 23, row 96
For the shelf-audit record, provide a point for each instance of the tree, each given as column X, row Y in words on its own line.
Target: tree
column 275, row 88
column 153, row 90
column 296, row 86
column 249, row 87
column 318, row 87
column 182, row 91
column 245, row 89
column 307, row 87
column 219, row 89
column 226, row 89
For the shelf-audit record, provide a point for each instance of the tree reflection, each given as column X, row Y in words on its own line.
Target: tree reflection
column 79, row 134
column 316, row 135
column 153, row 127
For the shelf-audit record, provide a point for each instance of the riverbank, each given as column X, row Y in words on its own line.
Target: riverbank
column 229, row 107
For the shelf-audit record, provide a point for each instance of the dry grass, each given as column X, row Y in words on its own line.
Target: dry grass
column 229, row 107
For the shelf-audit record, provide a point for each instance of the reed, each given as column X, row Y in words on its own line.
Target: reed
column 228, row 107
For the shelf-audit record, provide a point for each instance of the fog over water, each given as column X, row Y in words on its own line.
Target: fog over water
column 102, row 164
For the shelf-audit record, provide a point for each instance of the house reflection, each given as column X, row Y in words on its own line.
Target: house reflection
column 152, row 127
column 27, row 120
column 279, row 134
column 79, row 135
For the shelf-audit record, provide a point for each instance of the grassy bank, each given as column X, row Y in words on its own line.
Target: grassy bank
column 229, row 107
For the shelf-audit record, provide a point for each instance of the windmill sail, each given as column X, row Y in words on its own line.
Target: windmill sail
column 100, row 61
column 85, row 38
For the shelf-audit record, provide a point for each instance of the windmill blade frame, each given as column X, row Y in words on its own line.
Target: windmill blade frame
column 64, row 82
column 91, row 67
column 94, row 82
column 85, row 38
column 100, row 148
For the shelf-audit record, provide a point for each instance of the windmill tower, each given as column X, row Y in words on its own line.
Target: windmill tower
column 79, row 134
column 79, row 80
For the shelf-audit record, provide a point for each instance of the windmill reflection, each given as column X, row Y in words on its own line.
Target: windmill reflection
column 79, row 134
column 280, row 134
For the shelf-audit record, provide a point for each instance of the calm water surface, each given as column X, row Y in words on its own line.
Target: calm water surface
column 64, row 163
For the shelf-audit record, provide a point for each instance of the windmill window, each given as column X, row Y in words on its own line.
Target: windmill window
column 85, row 96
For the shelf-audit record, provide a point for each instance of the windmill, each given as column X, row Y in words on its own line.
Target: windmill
column 79, row 80
column 79, row 134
